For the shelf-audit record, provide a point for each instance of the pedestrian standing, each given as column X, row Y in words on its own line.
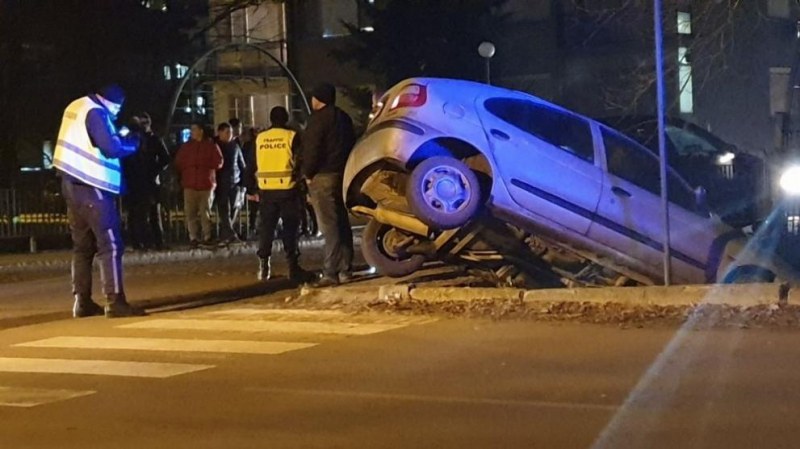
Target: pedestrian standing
column 143, row 176
column 274, row 178
column 197, row 162
column 87, row 156
column 249, row 151
column 236, row 130
column 327, row 143
column 229, row 193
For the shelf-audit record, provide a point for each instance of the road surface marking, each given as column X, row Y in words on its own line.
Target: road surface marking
column 169, row 344
column 439, row 399
column 31, row 397
column 97, row 367
column 304, row 327
column 281, row 312
column 306, row 314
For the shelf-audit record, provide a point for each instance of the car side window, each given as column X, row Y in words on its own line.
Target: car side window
column 636, row 164
column 565, row 131
column 630, row 162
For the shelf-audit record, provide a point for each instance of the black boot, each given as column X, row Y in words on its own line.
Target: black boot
column 264, row 269
column 84, row 307
column 298, row 274
column 118, row 307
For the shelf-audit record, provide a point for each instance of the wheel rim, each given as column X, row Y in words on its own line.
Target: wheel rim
column 390, row 241
column 445, row 189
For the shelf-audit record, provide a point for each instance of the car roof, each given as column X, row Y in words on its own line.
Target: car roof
column 476, row 89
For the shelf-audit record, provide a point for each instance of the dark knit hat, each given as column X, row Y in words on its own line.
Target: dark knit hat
column 279, row 116
column 325, row 93
column 112, row 93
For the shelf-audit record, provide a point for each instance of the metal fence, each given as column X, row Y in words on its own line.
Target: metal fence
column 28, row 212
column 39, row 212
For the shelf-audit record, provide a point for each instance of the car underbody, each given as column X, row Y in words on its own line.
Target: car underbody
column 500, row 252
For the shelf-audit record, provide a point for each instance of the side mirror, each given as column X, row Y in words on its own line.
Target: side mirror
column 701, row 199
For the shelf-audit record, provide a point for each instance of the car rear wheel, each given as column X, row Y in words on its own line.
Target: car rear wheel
column 443, row 192
column 382, row 246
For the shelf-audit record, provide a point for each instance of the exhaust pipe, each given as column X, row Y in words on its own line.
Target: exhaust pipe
column 397, row 219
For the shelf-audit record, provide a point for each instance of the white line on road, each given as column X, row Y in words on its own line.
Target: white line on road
column 281, row 312
column 438, row 399
column 97, row 367
column 170, row 344
column 31, row 397
column 293, row 327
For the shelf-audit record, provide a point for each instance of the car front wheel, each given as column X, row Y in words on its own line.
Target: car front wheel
column 749, row 274
column 382, row 246
column 443, row 192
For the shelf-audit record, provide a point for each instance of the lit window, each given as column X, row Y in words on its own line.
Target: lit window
column 368, row 29
column 167, row 72
column 684, row 22
column 685, row 81
column 180, row 70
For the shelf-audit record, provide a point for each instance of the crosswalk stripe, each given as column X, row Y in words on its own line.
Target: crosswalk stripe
column 31, row 397
column 169, row 344
column 97, row 367
column 280, row 312
column 304, row 314
column 305, row 327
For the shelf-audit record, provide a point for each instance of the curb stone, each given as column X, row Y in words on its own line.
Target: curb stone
column 736, row 295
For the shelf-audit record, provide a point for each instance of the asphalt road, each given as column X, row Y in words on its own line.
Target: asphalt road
column 237, row 377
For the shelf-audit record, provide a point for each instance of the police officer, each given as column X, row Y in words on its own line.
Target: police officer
column 276, row 181
column 87, row 156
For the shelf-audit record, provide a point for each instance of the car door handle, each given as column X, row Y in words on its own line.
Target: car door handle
column 499, row 134
column 619, row 191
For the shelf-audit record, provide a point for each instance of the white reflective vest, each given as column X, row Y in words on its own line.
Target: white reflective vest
column 78, row 157
column 274, row 159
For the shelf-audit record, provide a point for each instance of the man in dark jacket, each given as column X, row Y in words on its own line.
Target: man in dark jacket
column 327, row 143
column 230, row 195
column 143, row 174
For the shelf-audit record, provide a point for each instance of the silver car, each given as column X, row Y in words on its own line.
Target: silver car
column 453, row 169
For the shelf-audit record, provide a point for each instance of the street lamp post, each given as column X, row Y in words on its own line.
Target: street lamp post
column 487, row 50
column 662, row 145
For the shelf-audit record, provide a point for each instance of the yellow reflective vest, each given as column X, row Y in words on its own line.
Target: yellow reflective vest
column 274, row 159
column 77, row 156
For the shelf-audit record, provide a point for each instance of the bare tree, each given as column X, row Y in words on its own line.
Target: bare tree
column 705, row 41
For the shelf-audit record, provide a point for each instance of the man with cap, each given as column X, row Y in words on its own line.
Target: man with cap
column 274, row 178
column 87, row 156
column 327, row 143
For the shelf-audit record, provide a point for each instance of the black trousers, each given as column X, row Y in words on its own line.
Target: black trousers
column 326, row 197
column 227, row 210
column 273, row 206
column 95, row 224
column 144, row 221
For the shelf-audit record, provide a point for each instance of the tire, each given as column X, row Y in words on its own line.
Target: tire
column 443, row 192
column 375, row 245
column 749, row 274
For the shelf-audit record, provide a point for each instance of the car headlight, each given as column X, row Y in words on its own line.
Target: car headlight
column 790, row 180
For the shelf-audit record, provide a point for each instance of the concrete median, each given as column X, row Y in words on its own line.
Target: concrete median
column 736, row 295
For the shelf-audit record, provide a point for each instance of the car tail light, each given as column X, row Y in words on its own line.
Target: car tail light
column 412, row 96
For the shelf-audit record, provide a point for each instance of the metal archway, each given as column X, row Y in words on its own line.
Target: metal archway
column 222, row 48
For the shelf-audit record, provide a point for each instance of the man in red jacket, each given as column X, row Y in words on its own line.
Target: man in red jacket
column 197, row 162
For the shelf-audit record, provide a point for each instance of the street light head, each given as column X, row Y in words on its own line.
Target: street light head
column 486, row 50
